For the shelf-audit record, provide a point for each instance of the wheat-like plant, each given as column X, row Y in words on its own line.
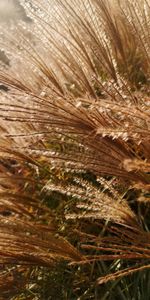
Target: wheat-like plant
column 75, row 101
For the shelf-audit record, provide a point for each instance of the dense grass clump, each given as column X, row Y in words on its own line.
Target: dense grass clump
column 75, row 151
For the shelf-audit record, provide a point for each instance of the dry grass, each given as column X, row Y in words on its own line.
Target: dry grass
column 78, row 102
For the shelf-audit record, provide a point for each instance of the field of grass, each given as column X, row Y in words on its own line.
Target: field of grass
column 75, row 151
